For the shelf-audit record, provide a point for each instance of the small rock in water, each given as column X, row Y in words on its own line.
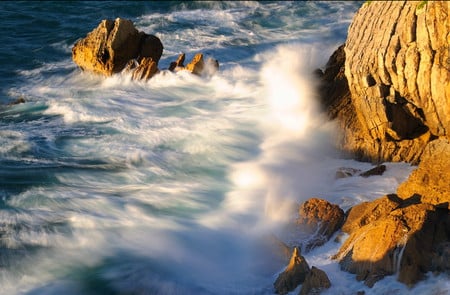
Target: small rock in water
column 197, row 66
column 344, row 172
column 378, row 170
column 17, row 101
column 294, row 274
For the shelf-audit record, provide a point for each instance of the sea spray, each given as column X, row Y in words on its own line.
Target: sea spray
column 296, row 140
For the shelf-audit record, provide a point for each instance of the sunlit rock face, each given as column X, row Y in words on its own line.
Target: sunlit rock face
column 394, row 236
column 109, row 47
column 397, row 65
column 430, row 180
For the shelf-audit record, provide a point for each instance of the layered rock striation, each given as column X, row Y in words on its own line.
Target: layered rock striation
column 388, row 87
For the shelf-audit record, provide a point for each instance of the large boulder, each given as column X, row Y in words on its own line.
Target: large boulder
column 109, row 47
column 398, row 71
column 294, row 274
column 431, row 178
column 404, row 237
column 318, row 220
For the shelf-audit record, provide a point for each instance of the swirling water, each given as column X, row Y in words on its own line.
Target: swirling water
column 172, row 185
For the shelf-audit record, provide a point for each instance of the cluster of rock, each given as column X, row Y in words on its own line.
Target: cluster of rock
column 388, row 90
column 405, row 234
column 116, row 46
column 388, row 86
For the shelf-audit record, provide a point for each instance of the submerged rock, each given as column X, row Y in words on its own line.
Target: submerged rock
column 17, row 101
column 294, row 274
column 378, row 170
column 315, row 282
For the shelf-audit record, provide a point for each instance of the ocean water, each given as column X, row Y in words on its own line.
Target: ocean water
column 173, row 185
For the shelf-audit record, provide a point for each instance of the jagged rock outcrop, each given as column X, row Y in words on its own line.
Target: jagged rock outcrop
column 431, row 179
column 394, row 236
column 146, row 69
column 197, row 65
column 294, row 274
column 397, row 65
column 315, row 282
column 110, row 47
column 318, row 220
column 116, row 46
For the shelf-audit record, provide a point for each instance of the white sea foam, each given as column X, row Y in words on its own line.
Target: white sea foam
column 13, row 142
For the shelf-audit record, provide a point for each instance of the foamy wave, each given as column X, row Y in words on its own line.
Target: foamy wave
column 13, row 142
column 72, row 115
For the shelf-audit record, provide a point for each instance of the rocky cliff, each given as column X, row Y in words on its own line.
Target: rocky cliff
column 388, row 90
column 388, row 87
